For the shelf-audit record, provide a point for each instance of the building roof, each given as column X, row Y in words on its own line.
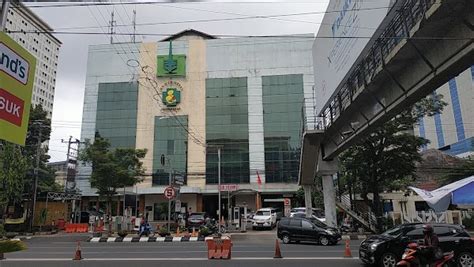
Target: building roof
column 20, row 7
column 188, row 32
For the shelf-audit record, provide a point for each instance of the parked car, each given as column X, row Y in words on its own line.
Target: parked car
column 303, row 215
column 265, row 218
column 386, row 249
column 196, row 220
column 302, row 229
column 318, row 213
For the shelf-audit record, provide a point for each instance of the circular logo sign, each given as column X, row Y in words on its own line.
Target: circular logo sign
column 170, row 192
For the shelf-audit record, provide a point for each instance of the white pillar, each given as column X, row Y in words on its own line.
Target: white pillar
column 329, row 200
column 308, row 200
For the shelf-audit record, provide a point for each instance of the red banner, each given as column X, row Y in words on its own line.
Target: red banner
column 11, row 108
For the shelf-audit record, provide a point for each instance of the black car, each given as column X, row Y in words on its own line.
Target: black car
column 303, row 229
column 196, row 219
column 387, row 249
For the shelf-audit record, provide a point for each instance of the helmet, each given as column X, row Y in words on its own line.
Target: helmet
column 427, row 229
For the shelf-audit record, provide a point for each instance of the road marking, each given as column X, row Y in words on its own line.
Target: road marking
column 95, row 239
column 143, row 239
column 110, row 239
column 185, row 259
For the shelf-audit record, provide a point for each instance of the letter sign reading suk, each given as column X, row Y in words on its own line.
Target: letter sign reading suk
column 17, row 70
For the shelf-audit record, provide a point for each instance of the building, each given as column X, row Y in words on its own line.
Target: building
column 60, row 168
column 30, row 31
column 452, row 131
column 187, row 95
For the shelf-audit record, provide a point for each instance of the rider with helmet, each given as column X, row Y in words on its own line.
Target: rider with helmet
column 431, row 242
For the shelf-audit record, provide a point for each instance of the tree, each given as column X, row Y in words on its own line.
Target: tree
column 13, row 169
column 458, row 173
column 39, row 129
column 112, row 168
column 386, row 159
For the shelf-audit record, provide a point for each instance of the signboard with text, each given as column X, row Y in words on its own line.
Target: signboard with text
column 17, row 75
column 344, row 33
column 229, row 187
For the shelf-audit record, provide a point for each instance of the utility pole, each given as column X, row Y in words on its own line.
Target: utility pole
column 71, row 164
column 4, row 14
column 36, row 172
column 112, row 32
column 219, row 184
column 134, row 22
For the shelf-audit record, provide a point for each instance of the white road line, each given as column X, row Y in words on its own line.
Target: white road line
column 184, row 259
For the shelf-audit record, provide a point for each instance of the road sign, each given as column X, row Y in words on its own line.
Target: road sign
column 177, row 206
column 229, row 187
column 287, row 202
column 17, row 75
column 170, row 192
column 178, row 179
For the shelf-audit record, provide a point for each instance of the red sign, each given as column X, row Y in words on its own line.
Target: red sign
column 11, row 108
column 170, row 192
column 287, row 202
column 229, row 187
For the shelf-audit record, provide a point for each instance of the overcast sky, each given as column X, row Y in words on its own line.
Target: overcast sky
column 71, row 71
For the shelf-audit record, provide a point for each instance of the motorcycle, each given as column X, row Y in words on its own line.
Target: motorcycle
column 214, row 228
column 145, row 230
column 412, row 256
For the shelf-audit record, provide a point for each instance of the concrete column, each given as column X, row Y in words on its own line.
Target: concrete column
column 329, row 200
column 308, row 200
column 258, row 201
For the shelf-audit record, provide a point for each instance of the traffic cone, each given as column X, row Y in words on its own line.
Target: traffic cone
column 177, row 232
column 277, row 250
column 194, row 233
column 347, row 252
column 78, row 255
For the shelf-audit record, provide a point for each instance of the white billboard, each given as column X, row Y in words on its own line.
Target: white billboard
column 341, row 39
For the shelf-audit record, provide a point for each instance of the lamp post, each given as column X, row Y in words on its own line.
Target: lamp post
column 219, row 184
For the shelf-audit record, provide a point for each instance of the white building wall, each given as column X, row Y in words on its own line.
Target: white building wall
column 44, row 47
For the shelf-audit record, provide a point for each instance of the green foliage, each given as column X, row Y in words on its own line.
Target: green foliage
column 204, row 231
column 163, row 230
column 316, row 195
column 7, row 246
column 386, row 159
column 468, row 222
column 112, row 169
column 122, row 233
column 2, row 230
column 13, row 170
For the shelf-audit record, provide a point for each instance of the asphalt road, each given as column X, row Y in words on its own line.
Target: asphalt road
column 246, row 251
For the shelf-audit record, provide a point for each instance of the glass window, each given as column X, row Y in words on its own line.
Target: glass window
column 282, row 118
column 227, row 127
column 306, row 225
column 415, row 233
column 444, row 231
column 393, row 232
column 170, row 147
column 295, row 222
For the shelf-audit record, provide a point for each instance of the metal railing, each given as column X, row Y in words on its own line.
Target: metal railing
column 366, row 218
column 397, row 30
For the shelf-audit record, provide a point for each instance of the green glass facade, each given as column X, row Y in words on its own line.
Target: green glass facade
column 282, row 104
column 116, row 118
column 227, row 126
column 170, row 139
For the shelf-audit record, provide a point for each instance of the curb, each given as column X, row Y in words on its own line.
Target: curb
column 354, row 237
column 136, row 239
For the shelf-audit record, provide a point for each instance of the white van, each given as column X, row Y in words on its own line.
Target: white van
column 265, row 218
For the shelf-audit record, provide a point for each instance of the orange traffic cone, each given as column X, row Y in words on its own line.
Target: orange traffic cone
column 277, row 250
column 347, row 252
column 177, row 232
column 194, row 234
column 78, row 255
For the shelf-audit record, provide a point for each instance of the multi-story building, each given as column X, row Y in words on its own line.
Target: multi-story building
column 452, row 131
column 30, row 31
column 60, row 168
column 192, row 94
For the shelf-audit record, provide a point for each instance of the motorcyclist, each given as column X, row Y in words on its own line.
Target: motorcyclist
column 145, row 228
column 432, row 251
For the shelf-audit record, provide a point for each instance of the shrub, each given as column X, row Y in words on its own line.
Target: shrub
column 122, row 233
column 468, row 222
column 163, row 231
column 204, row 231
column 11, row 246
column 2, row 230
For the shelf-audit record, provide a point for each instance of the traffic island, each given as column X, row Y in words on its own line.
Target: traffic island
column 136, row 239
